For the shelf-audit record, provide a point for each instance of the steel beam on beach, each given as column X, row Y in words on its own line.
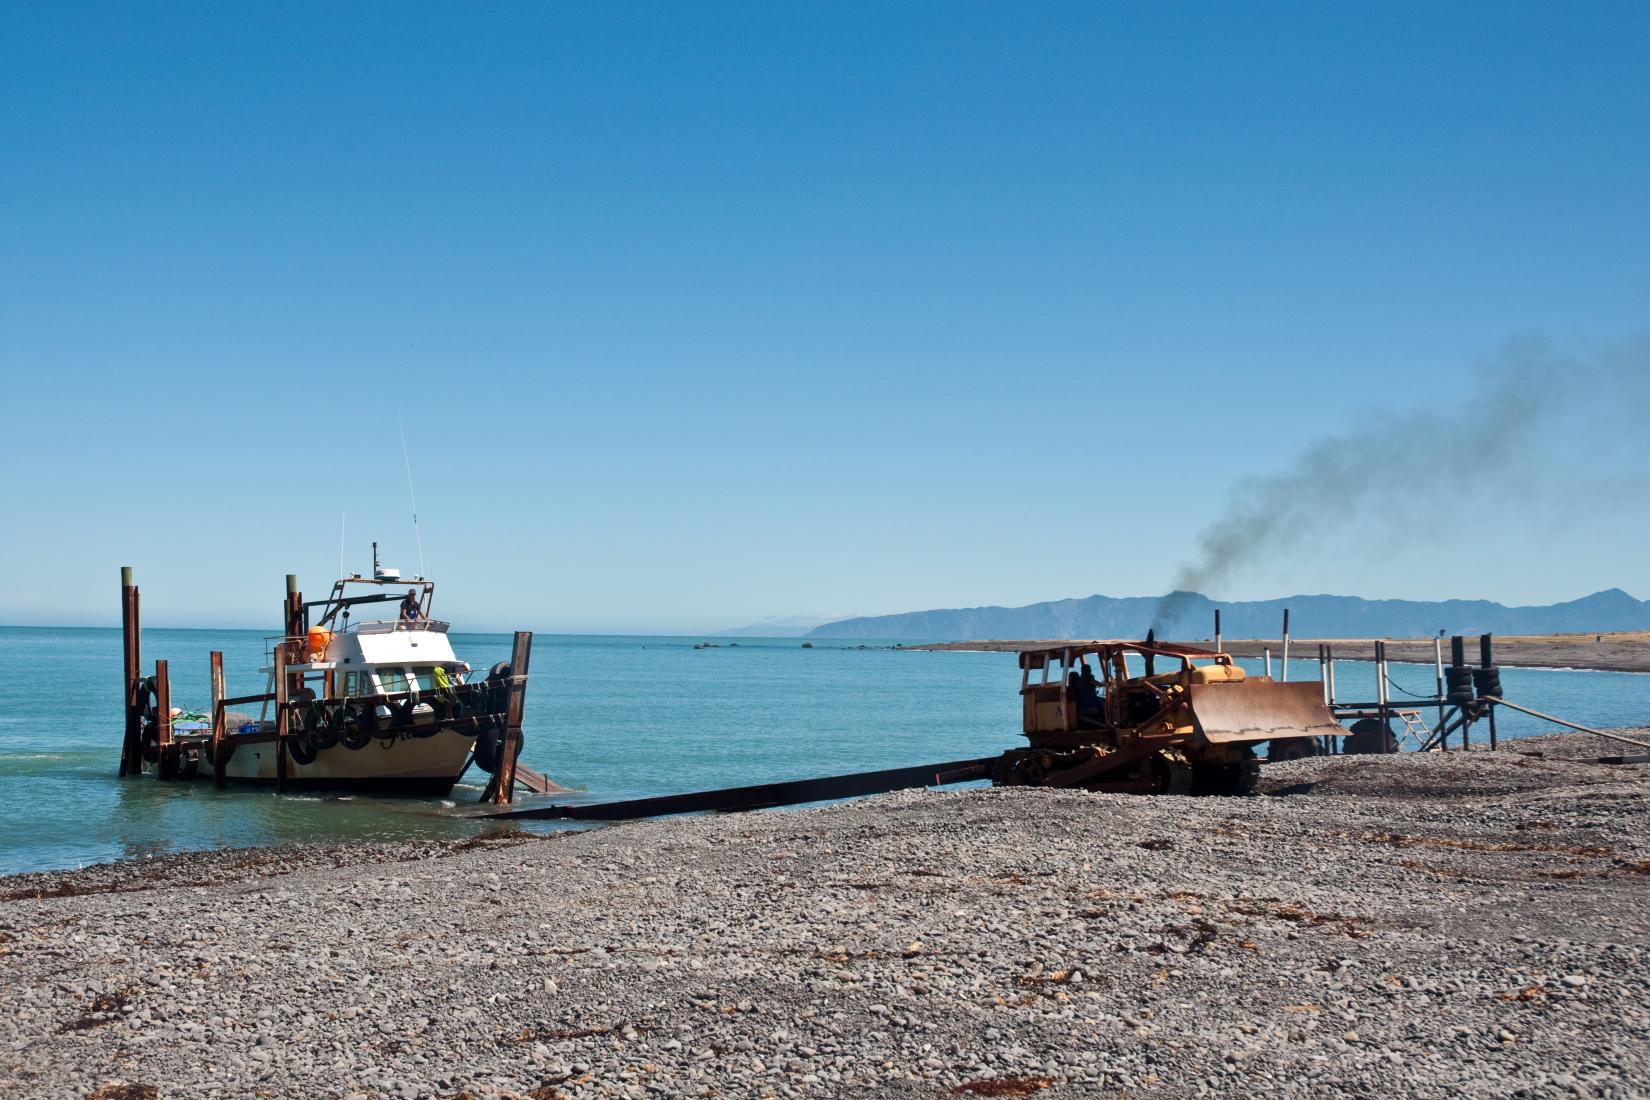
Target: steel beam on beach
column 764, row 795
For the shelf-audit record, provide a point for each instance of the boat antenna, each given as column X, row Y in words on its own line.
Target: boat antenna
column 417, row 538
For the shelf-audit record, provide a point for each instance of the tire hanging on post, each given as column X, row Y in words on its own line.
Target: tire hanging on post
column 147, row 705
column 327, row 724
column 489, row 750
column 301, row 748
column 363, row 717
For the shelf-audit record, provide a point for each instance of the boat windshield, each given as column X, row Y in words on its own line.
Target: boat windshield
column 392, row 681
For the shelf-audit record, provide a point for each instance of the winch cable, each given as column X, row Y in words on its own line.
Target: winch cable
column 1561, row 722
column 1390, row 682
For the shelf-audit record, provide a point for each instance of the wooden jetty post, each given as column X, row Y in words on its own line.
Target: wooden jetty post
column 1438, row 671
column 165, row 758
column 1326, row 681
column 1381, row 710
column 293, row 617
column 1486, row 660
column 220, row 720
column 281, row 715
column 1463, row 709
column 1286, row 645
column 1469, row 713
column 292, row 609
column 502, row 790
column 131, row 745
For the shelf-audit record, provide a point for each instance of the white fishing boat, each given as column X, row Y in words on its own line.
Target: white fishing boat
column 380, row 703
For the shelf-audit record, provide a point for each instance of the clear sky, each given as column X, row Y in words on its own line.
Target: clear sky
column 700, row 314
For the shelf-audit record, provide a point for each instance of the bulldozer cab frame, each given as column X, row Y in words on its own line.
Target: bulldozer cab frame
column 1123, row 699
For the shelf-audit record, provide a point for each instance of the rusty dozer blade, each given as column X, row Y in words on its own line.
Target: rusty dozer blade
column 1253, row 710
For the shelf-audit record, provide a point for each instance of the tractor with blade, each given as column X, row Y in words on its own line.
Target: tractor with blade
column 1120, row 724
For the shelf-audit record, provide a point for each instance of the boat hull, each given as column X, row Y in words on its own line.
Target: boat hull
column 428, row 763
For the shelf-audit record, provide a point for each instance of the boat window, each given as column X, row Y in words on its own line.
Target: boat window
column 357, row 683
column 425, row 675
column 392, row 680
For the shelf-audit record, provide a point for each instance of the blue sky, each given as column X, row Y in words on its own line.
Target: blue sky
column 697, row 315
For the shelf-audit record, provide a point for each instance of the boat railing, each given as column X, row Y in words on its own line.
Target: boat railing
column 294, row 646
column 395, row 626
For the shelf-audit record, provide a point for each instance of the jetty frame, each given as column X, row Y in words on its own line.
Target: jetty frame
column 1463, row 695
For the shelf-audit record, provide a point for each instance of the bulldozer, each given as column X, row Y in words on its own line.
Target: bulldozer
column 1190, row 729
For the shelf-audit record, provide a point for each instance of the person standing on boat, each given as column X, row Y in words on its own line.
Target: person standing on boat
column 409, row 607
column 443, row 685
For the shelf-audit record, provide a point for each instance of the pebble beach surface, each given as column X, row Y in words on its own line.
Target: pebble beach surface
column 1419, row 925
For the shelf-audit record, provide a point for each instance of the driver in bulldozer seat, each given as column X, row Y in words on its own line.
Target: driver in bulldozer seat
column 1085, row 696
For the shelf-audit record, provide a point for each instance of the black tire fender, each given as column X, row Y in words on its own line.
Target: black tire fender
column 327, row 725
column 147, row 696
column 364, row 717
column 301, row 749
column 363, row 720
column 401, row 714
column 498, row 687
column 489, row 750
column 1368, row 736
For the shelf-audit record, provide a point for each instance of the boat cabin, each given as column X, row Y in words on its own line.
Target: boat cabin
column 397, row 655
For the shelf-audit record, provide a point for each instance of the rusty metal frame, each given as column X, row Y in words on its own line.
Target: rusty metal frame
column 1038, row 656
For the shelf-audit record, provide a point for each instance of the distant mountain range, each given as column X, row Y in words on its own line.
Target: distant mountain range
column 1310, row 617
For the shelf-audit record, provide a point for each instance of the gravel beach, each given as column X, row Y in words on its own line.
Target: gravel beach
column 1419, row 925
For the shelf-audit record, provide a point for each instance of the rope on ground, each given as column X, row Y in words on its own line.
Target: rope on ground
column 1571, row 725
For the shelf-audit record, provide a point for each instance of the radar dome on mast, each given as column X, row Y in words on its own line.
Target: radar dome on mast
column 380, row 572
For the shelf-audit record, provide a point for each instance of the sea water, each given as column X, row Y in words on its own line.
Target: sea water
column 609, row 717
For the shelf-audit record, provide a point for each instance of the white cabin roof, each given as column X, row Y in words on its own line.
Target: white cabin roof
column 365, row 647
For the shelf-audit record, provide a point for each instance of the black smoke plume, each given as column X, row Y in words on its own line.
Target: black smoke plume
column 1423, row 459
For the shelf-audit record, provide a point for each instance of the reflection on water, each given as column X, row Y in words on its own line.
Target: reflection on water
column 612, row 717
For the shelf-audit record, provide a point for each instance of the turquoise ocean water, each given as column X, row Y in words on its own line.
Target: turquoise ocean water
column 611, row 717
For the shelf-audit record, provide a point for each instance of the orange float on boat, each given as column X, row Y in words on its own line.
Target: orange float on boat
column 319, row 639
